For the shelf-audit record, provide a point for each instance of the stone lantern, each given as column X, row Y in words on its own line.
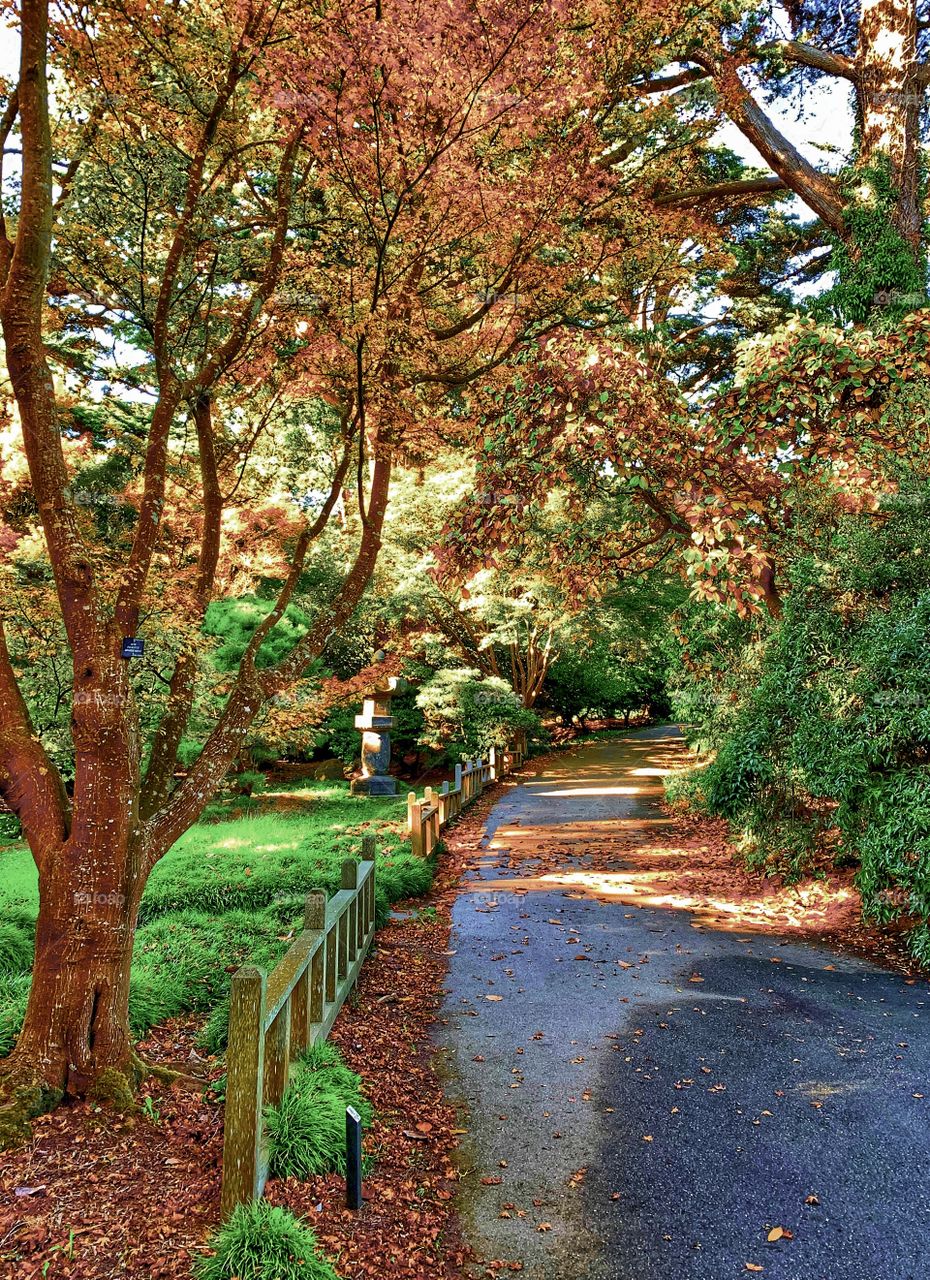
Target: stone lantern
column 375, row 724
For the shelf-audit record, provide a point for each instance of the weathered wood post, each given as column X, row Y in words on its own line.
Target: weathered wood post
column 315, row 919
column 369, row 854
column 350, row 881
column 415, row 824
column 243, row 1156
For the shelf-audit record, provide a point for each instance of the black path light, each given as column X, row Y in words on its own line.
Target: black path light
column 353, row 1159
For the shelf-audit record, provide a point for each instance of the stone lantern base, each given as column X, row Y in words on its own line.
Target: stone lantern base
column 384, row 786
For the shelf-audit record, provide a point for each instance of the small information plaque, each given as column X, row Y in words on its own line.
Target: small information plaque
column 133, row 647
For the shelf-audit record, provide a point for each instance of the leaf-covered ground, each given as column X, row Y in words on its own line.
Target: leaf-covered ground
column 97, row 1196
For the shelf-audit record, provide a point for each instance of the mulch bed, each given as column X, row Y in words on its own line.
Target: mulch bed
column 96, row 1196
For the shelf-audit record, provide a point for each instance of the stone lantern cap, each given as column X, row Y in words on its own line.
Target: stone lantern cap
column 376, row 710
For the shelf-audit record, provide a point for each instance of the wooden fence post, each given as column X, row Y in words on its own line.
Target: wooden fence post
column 367, row 906
column 277, row 1055
column 350, row 881
column 415, row 824
column 243, row 1173
column 274, row 1018
column 315, row 919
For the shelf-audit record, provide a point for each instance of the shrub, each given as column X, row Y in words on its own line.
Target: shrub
column 818, row 725
column 263, row 1242
column 466, row 714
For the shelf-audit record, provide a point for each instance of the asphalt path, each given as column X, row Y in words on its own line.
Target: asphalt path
column 653, row 1098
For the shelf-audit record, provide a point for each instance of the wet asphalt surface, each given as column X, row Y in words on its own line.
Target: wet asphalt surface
column 656, row 1099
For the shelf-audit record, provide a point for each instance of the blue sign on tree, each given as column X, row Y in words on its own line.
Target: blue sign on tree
column 133, row 647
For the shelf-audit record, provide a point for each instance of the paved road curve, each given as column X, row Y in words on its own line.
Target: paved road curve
column 656, row 1098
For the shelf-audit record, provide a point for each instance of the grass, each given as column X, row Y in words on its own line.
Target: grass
column 263, row 1242
column 231, row 890
column 307, row 1129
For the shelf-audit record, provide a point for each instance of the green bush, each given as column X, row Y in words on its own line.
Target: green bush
column 307, row 1129
column 817, row 726
column 263, row 1242
column 465, row 713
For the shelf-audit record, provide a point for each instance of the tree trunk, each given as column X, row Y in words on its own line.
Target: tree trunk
column 890, row 101
column 75, row 1039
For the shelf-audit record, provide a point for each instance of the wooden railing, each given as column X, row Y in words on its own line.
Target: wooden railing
column 427, row 817
column 273, row 1018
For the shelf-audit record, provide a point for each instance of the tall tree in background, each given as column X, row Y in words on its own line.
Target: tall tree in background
column 872, row 207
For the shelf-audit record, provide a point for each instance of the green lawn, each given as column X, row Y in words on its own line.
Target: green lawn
column 230, row 890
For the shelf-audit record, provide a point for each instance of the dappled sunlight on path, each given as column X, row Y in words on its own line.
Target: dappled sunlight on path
column 580, row 839
column 664, row 1058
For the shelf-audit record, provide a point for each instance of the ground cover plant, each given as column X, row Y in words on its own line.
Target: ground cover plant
column 264, row 1242
column 307, row 1128
column 230, row 891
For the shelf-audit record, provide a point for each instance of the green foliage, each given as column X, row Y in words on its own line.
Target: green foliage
column 818, row 727
column 879, row 277
column 465, row 713
column 227, row 893
column 16, row 946
column 14, row 993
column 233, row 623
column 307, row 1130
column 263, row 1242
column 9, row 827
column 249, row 782
column 339, row 735
column 596, row 683
column 183, row 961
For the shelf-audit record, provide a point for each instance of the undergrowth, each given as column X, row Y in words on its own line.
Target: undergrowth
column 307, row 1129
column 227, row 893
column 263, row 1242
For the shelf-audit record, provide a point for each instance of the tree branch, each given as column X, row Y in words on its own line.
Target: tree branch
column 29, row 782
column 722, row 191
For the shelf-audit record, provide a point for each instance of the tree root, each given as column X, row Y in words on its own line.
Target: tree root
column 167, row 1075
column 24, row 1094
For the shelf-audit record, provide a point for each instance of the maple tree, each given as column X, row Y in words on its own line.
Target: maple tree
column 815, row 413
column 247, row 223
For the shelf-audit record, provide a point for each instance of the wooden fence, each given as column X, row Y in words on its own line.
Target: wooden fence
column 273, row 1018
column 427, row 817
